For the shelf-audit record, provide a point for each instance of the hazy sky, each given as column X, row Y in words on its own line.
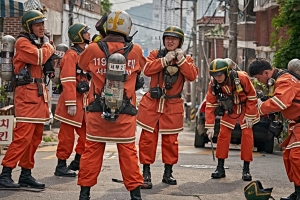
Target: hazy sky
column 126, row 4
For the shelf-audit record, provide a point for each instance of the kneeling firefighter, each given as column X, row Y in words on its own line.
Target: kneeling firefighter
column 231, row 96
column 168, row 68
column 114, row 63
column 72, row 100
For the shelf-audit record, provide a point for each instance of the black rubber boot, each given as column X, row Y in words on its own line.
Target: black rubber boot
column 5, row 179
column 62, row 170
column 26, row 180
column 74, row 165
column 292, row 196
column 167, row 177
column 136, row 194
column 297, row 188
column 220, row 171
column 147, row 177
column 246, row 172
column 84, row 193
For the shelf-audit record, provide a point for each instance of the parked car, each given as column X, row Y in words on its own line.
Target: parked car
column 263, row 139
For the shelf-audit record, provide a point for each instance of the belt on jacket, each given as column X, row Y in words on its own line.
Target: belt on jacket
column 95, row 106
column 32, row 80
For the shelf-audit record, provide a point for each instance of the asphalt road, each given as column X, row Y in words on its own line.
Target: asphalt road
column 192, row 173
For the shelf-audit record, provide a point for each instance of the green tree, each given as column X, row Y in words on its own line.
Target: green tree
column 288, row 21
column 105, row 6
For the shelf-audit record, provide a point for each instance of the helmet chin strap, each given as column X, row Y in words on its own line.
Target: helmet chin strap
column 86, row 41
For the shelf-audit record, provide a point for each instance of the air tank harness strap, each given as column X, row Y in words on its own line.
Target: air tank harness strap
column 97, row 106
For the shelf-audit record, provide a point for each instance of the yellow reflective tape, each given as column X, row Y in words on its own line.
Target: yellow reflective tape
column 214, row 65
column 116, row 20
column 216, row 70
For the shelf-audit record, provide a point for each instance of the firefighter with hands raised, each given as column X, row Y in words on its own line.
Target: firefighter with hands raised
column 284, row 98
column 232, row 96
column 114, row 63
column 72, row 100
column 32, row 51
column 168, row 68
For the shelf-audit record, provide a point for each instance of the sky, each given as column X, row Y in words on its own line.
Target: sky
column 126, row 4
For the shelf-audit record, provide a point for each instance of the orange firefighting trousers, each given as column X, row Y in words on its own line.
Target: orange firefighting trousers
column 148, row 144
column 27, row 137
column 291, row 158
column 66, row 139
column 224, row 142
column 92, row 159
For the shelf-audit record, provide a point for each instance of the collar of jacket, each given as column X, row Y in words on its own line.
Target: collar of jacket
column 113, row 38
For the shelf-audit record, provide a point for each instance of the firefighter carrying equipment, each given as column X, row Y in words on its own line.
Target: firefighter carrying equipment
column 255, row 191
column 226, row 103
column 113, row 100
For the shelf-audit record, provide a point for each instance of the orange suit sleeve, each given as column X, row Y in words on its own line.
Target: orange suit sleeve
column 250, row 92
column 211, row 105
column 153, row 65
column 188, row 69
column 26, row 52
column 68, row 76
column 283, row 96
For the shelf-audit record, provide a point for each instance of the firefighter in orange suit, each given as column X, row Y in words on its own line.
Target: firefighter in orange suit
column 104, row 122
column 232, row 96
column 71, row 102
column 161, row 109
column 32, row 50
column 285, row 99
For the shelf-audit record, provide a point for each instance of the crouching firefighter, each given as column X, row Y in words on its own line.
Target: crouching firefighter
column 168, row 68
column 32, row 51
column 231, row 96
column 72, row 100
column 114, row 63
column 285, row 98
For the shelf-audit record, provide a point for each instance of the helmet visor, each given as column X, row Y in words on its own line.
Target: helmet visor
column 216, row 73
column 36, row 21
column 86, row 29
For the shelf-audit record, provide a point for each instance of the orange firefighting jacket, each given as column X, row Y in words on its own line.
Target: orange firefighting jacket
column 94, row 60
column 29, row 107
column 69, row 96
column 169, row 113
column 286, row 99
column 244, row 103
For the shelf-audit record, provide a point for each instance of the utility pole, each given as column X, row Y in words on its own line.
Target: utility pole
column 71, row 9
column 181, row 13
column 233, row 18
column 193, row 92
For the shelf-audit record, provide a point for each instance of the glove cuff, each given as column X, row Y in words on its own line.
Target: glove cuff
column 181, row 61
column 164, row 62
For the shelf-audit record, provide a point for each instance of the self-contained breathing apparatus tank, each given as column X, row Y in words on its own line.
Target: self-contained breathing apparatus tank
column 7, row 69
column 60, row 52
column 114, row 87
